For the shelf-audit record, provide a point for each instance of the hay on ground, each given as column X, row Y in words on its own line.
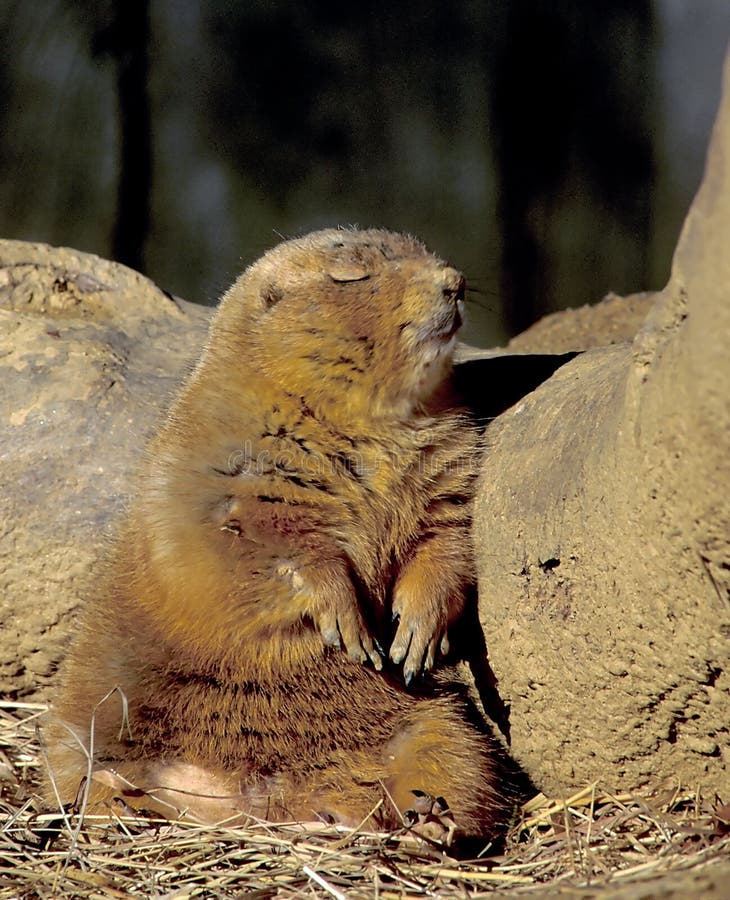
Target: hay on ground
column 591, row 839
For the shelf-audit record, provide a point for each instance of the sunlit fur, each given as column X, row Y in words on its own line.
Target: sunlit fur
column 302, row 489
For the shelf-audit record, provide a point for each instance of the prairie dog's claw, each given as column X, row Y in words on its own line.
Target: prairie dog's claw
column 416, row 646
column 346, row 628
column 431, row 819
column 422, row 618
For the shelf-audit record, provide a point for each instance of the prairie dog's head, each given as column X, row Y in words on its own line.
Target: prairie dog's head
column 363, row 319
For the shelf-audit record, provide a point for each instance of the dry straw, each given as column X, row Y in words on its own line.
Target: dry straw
column 590, row 839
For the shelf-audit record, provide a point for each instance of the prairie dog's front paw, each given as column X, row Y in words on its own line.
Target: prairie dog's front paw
column 342, row 624
column 424, row 610
column 421, row 633
column 336, row 615
column 326, row 596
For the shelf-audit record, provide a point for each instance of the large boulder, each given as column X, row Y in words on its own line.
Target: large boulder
column 602, row 529
column 89, row 354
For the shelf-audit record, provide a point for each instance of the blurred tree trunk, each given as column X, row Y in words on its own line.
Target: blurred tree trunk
column 126, row 39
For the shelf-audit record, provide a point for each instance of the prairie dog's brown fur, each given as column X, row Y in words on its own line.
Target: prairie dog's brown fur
column 301, row 491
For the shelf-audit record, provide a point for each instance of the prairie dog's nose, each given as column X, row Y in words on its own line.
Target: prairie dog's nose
column 454, row 285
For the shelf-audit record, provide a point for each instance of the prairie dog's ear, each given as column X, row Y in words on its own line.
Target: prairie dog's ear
column 270, row 295
column 348, row 265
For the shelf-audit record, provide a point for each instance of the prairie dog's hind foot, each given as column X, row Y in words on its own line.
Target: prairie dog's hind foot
column 431, row 819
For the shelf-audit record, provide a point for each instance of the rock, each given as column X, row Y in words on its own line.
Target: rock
column 612, row 321
column 603, row 536
column 89, row 354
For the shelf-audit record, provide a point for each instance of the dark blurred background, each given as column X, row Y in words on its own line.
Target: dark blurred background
column 549, row 148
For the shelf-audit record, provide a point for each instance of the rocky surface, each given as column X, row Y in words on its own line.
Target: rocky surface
column 89, row 355
column 612, row 321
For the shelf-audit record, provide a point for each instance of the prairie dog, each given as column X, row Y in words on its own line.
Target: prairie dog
column 304, row 491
